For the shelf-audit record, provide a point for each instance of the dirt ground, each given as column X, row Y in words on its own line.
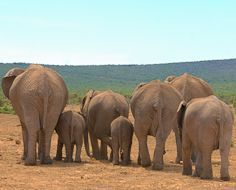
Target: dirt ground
column 92, row 174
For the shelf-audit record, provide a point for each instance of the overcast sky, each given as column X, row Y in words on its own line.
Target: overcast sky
column 92, row 32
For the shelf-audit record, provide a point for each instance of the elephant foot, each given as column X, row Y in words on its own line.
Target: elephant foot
column 225, row 178
column 116, row 162
column 57, row 158
column 23, row 157
column 104, row 157
column 145, row 163
column 96, row 156
column 47, row 160
column 157, row 167
column 125, row 163
column 178, row 160
column 187, row 171
column 78, row 160
column 206, row 177
column 30, row 162
column 68, row 160
column 139, row 161
column 196, row 174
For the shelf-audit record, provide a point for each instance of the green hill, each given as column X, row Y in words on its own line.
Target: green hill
column 221, row 74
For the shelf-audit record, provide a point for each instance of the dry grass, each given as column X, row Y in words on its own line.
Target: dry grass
column 92, row 174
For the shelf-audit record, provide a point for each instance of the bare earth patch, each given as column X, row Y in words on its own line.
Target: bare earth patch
column 92, row 174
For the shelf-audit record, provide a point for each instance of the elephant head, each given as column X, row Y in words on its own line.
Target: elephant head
column 9, row 78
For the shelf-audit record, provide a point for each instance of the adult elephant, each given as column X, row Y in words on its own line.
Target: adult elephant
column 38, row 96
column 189, row 87
column 100, row 108
column 154, row 107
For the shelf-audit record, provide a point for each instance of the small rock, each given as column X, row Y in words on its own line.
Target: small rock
column 10, row 139
column 18, row 142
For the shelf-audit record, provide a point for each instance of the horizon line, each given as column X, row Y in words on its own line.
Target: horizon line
column 122, row 64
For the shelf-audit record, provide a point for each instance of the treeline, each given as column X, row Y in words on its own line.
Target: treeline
column 221, row 74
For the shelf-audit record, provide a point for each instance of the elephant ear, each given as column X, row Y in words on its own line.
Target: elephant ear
column 8, row 79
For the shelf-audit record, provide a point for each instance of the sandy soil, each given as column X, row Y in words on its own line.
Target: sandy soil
column 92, row 174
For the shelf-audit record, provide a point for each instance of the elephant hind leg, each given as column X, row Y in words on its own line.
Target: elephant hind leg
column 25, row 141
column 79, row 144
column 32, row 124
column 224, row 154
column 95, row 147
column 103, row 151
column 115, row 150
column 178, row 145
column 144, row 153
column 206, row 164
column 186, row 153
column 198, row 164
column 59, row 150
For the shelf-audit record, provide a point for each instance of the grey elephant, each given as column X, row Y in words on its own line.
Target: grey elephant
column 154, row 107
column 100, row 108
column 121, row 137
column 207, row 125
column 189, row 87
column 38, row 96
column 71, row 130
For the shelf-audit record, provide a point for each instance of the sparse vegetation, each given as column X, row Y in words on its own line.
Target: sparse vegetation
column 123, row 78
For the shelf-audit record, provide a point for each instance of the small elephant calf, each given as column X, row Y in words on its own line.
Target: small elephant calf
column 70, row 129
column 121, row 137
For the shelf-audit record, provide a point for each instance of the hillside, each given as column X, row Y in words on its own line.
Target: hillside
column 123, row 78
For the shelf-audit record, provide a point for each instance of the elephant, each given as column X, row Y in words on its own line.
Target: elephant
column 100, row 108
column 71, row 129
column 189, row 87
column 206, row 124
column 38, row 96
column 121, row 137
column 154, row 107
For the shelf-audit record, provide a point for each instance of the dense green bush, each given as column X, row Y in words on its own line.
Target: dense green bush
column 123, row 78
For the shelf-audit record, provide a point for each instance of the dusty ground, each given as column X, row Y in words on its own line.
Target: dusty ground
column 92, row 174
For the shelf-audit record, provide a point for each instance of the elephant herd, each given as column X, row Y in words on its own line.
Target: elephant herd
column 185, row 104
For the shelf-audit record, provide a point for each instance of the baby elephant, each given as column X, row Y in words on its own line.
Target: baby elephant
column 121, row 137
column 206, row 125
column 70, row 129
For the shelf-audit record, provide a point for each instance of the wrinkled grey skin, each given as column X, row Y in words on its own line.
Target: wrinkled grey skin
column 71, row 129
column 154, row 107
column 189, row 87
column 100, row 108
column 38, row 96
column 121, row 137
column 207, row 125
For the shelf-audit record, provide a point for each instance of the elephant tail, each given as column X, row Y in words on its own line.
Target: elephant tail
column 45, row 110
column 86, row 141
